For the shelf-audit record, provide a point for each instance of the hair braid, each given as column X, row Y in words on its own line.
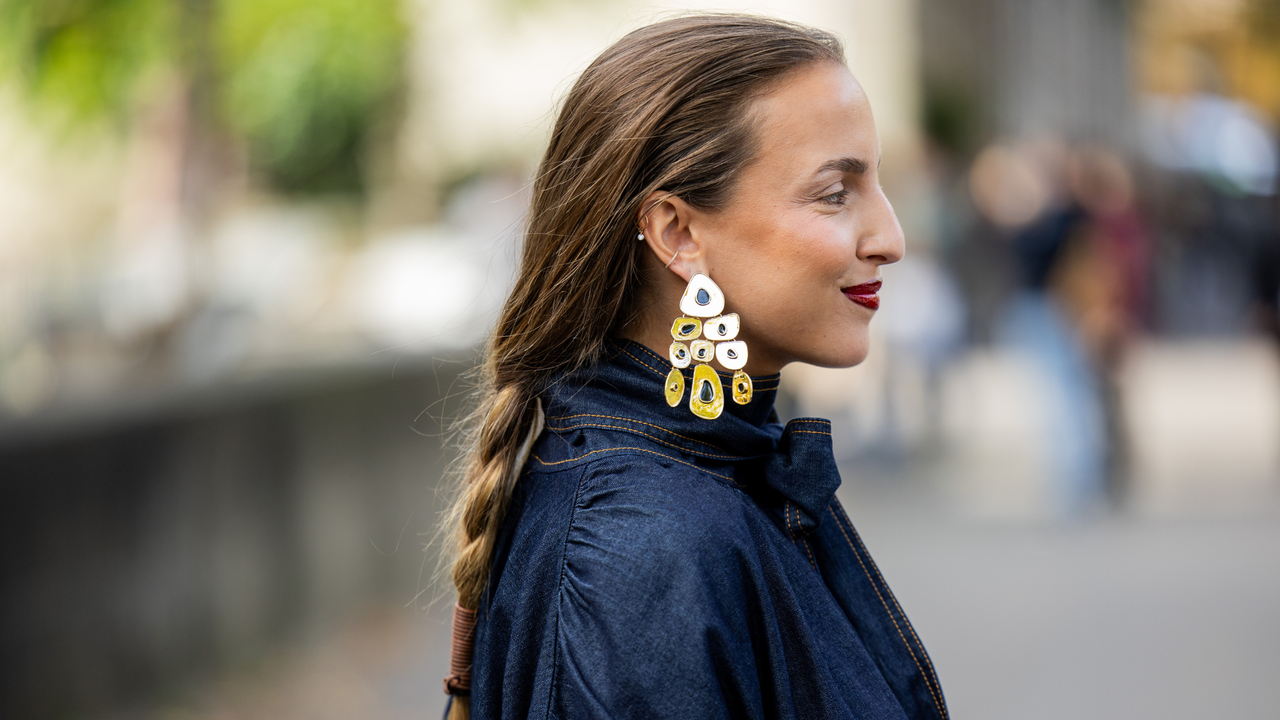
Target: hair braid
column 507, row 417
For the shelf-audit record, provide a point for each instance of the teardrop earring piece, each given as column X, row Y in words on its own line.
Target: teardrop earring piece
column 706, row 397
column 732, row 354
column 685, row 328
column 742, row 388
column 678, row 354
column 675, row 387
column 703, row 350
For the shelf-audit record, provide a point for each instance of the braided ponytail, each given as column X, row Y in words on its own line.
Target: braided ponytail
column 508, row 417
column 664, row 108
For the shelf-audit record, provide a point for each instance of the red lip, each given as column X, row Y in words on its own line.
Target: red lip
column 864, row 294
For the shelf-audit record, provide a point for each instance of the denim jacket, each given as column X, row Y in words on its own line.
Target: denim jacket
column 653, row 564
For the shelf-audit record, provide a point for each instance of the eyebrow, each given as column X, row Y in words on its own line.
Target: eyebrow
column 852, row 166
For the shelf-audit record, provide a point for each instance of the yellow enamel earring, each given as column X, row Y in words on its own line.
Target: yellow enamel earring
column 701, row 307
column 706, row 397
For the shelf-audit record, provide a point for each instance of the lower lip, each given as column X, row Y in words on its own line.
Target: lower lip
column 867, row 301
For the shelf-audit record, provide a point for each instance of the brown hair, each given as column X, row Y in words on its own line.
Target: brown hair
column 666, row 108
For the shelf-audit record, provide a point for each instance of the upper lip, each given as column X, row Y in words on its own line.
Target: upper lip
column 866, row 288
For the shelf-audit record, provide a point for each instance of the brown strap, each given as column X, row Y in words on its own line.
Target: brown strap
column 464, row 640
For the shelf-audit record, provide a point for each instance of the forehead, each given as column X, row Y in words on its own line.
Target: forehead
column 815, row 115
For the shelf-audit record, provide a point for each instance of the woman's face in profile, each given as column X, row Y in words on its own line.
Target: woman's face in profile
column 798, row 249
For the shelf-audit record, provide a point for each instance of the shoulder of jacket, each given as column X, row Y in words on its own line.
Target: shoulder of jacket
column 662, row 502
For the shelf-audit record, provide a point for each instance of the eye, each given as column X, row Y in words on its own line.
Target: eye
column 835, row 198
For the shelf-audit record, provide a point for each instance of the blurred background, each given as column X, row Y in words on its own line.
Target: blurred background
column 248, row 249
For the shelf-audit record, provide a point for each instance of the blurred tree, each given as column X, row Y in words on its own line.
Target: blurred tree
column 305, row 81
column 83, row 58
column 299, row 83
column 947, row 116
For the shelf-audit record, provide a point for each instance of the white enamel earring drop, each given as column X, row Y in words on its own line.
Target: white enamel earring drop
column 702, row 297
column 701, row 305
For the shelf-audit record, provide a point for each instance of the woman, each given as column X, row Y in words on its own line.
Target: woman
column 639, row 537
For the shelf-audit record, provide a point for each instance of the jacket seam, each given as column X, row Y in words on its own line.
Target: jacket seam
column 928, row 683
column 786, row 511
column 809, row 550
column 800, row 529
column 633, row 357
column 655, row 438
column 910, row 628
column 564, row 561
column 637, row 449
column 642, row 422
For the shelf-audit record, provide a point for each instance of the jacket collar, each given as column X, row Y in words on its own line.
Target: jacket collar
column 624, row 391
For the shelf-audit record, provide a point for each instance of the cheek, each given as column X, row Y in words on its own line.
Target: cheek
column 813, row 258
column 796, row 281
column 782, row 273
column 803, row 244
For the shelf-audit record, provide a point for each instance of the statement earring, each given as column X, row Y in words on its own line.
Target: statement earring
column 703, row 299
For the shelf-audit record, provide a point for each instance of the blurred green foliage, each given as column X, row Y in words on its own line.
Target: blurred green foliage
column 83, row 58
column 301, row 83
column 304, row 81
column 948, row 117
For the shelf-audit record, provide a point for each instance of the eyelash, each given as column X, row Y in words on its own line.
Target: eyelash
column 835, row 198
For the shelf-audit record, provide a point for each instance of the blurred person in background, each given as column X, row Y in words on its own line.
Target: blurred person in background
column 1083, row 252
column 1216, row 163
column 1100, row 278
column 1267, row 275
column 667, row 551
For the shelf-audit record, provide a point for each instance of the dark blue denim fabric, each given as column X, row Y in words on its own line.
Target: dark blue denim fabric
column 657, row 565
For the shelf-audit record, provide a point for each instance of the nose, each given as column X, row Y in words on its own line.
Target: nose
column 882, row 241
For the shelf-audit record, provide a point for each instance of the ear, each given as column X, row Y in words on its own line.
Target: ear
column 668, row 224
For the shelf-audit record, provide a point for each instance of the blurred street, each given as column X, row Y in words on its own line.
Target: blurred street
column 1126, row 616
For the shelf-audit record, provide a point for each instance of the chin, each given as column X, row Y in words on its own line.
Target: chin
column 852, row 351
